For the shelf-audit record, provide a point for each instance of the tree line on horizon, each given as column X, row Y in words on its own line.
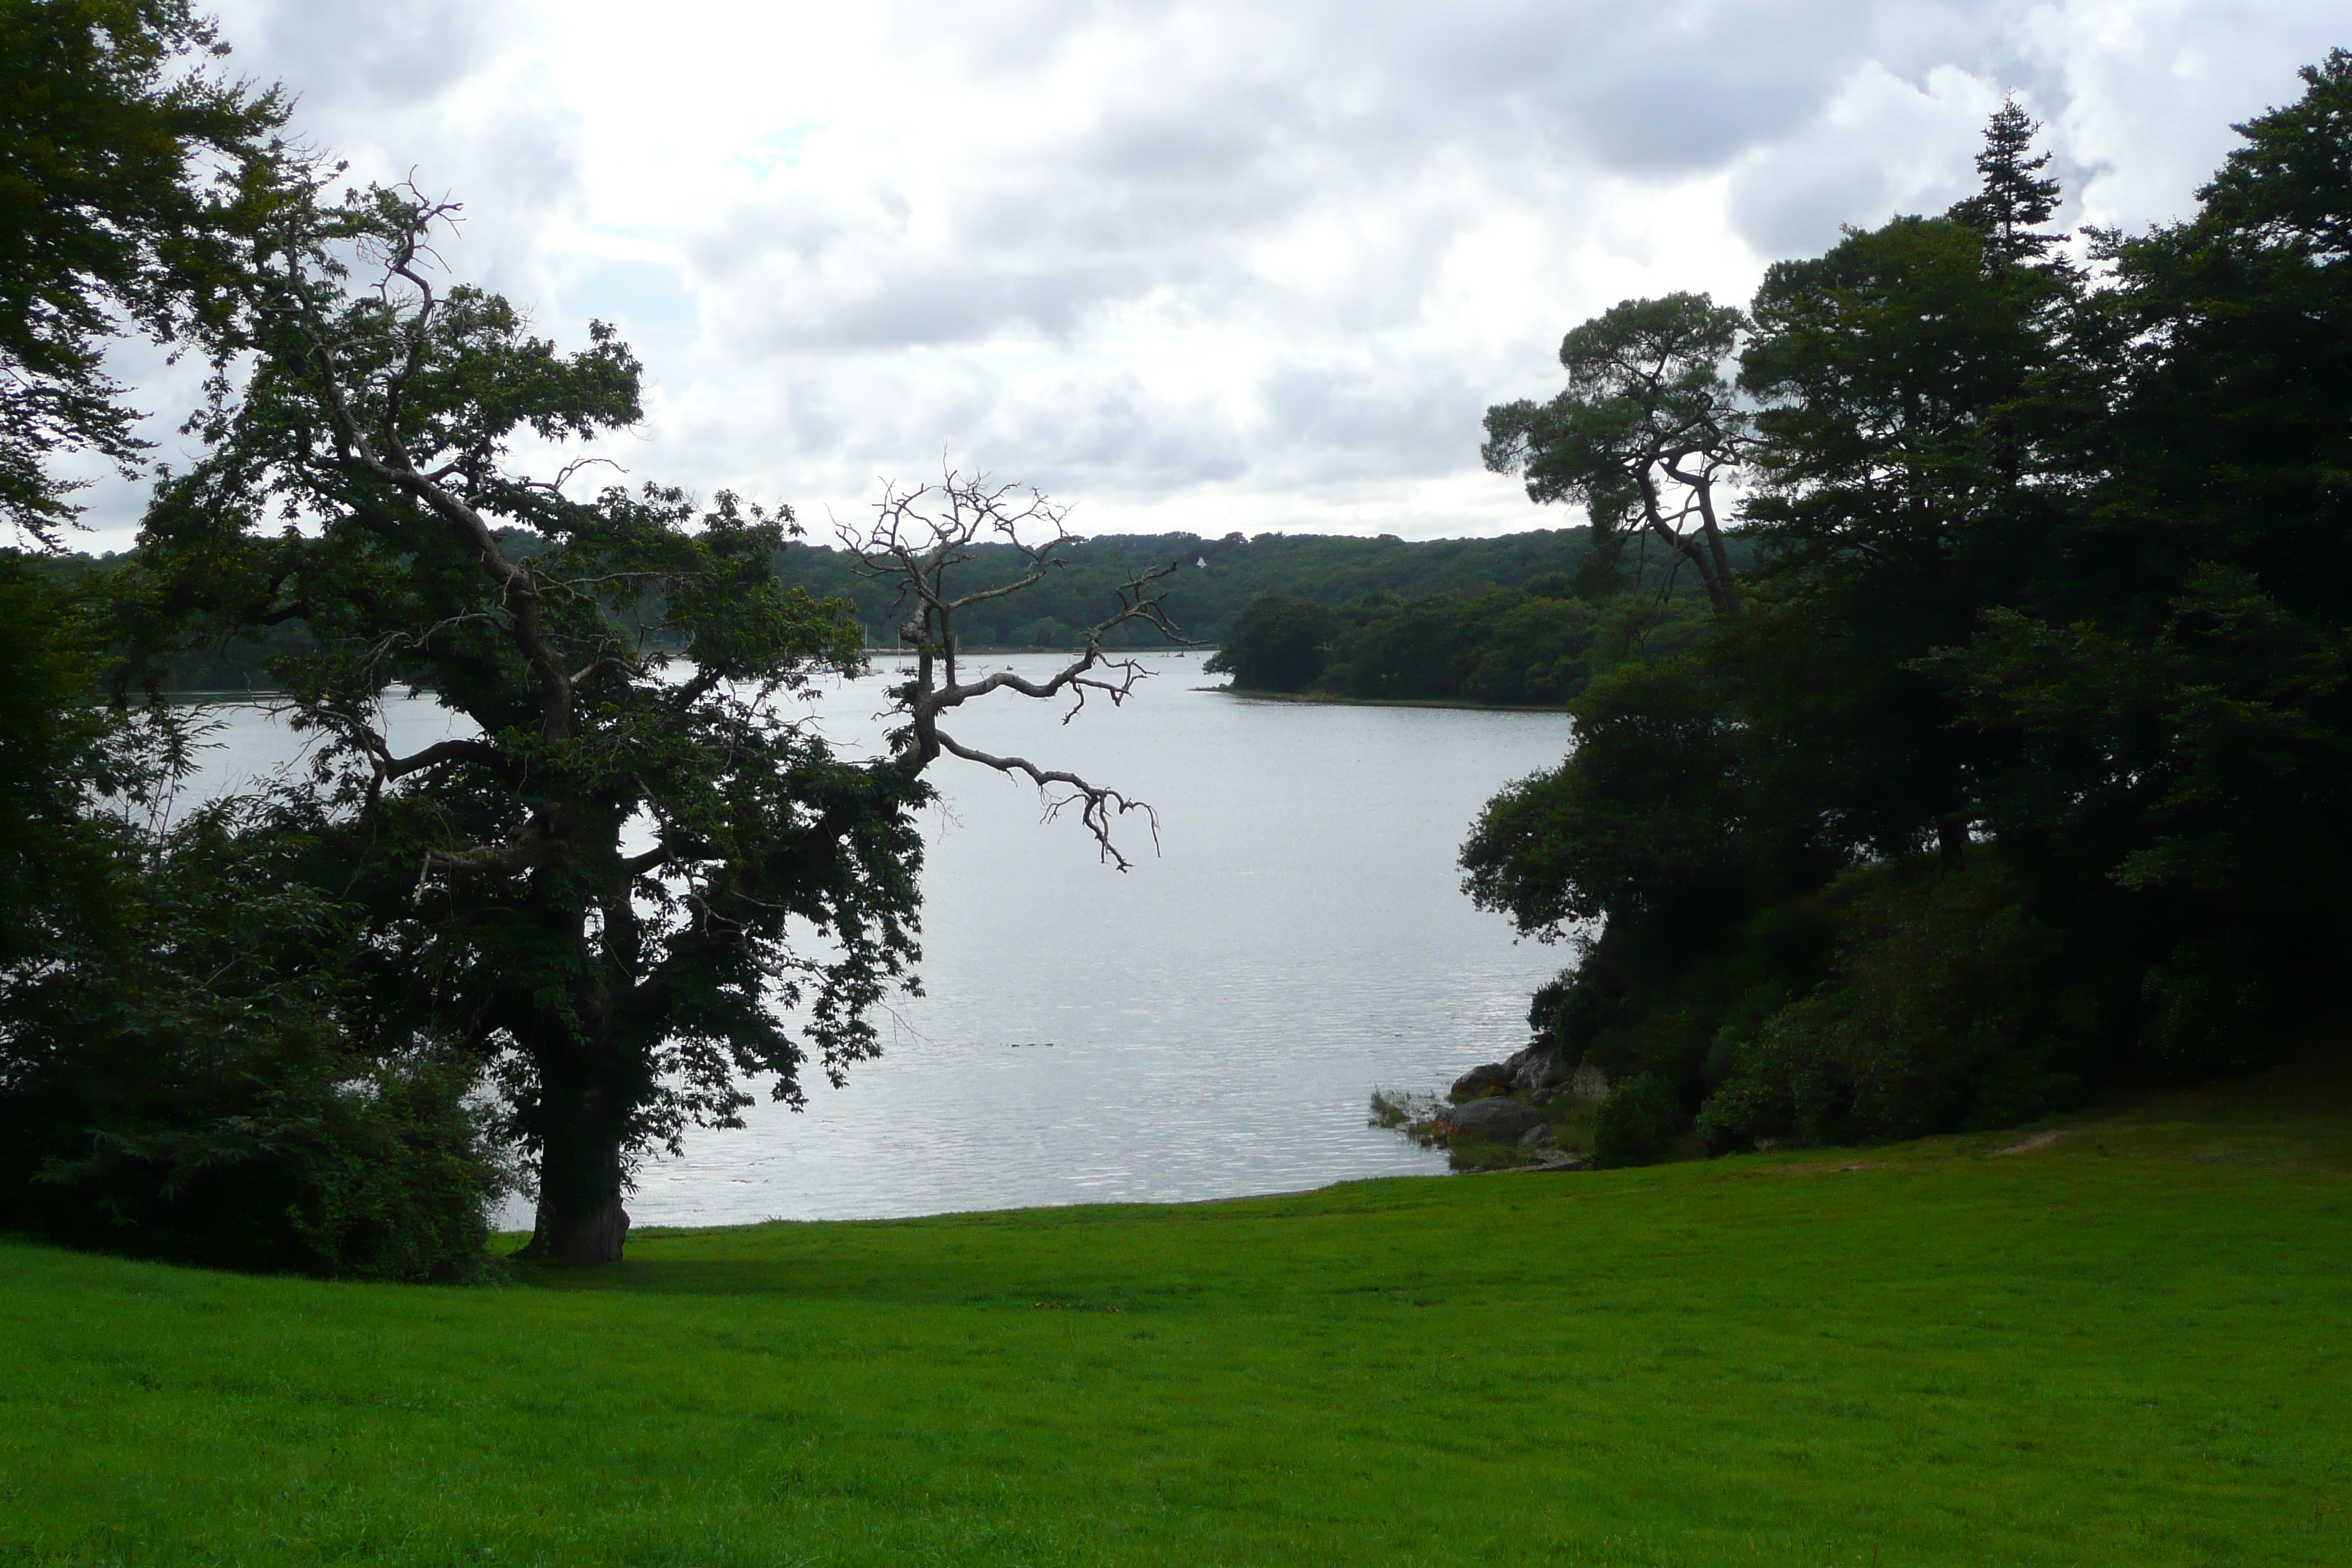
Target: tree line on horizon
column 1215, row 583
column 1530, row 644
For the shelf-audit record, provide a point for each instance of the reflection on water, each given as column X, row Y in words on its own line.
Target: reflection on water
column 1207, row 1024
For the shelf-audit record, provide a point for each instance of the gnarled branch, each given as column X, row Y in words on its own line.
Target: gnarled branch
column 1098, row 801
column 918, row 540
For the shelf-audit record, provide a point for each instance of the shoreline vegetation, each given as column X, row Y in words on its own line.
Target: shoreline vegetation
column 1533, row 646
column 2008, row 768
column 1214, row 583
column 1334, row 700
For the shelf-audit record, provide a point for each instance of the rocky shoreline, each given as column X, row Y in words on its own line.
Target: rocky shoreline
column 1533, row 1110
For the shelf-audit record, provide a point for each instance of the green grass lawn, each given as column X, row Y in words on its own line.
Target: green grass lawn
column 2128, row 1346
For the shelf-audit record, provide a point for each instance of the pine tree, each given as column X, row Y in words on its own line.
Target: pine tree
column 2015, row 195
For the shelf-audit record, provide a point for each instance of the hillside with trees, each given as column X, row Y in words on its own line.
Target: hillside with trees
column 1213, row 584
column 1215, row 581
column 1535, row 644
column 1512, row 647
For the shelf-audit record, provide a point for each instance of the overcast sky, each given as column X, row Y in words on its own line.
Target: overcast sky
column 1198, row 266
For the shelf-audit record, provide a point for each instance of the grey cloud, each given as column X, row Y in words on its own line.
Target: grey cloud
column 752, row 237
column 815, row 273
column 648, row 300
column 939, row 303
column 1013, row 38
column 1291, row 178
column 375, row 84
column 1171, row 179
column 834, row 427
column 527, row 160
column 1155, row 196
column 1363, row 418
column 1659, row 88
column 344, row 58
column 1673, row 89
column 1795, row 208
column 1086, row 431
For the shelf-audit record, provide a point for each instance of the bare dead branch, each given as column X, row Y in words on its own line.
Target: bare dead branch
column 1098, row 803
column 918, row 541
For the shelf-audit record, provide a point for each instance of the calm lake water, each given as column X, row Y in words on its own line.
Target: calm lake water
column 1208, row 1025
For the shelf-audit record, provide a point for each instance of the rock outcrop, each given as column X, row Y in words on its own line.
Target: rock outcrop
column 1493, row 1120
column 1495, row 1077
column 1538, row 1067
column 1589, row 1083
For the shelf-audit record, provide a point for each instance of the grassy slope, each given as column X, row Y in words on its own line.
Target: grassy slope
column 2126, row 1347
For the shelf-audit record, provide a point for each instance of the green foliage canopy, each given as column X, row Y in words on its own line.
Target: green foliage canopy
column 1645, row 431
column 128, row 172
column 609, row 889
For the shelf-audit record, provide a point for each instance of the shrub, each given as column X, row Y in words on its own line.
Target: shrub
column 303, row 1160
column 1278, row 645
column 1949, row 1005
column 187, row 1081
column 2209, row 1010
column 1636, row 1122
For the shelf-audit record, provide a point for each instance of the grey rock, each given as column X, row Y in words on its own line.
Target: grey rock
column 1493, row 1120
column 1590, row 1084
column 1538, row 1137
column 1538, row 1066
column 1492, row 1079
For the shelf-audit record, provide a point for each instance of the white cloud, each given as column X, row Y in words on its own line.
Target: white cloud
column 1206, row 265
column 1880, row 145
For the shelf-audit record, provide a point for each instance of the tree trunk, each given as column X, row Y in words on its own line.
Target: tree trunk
column 564, row 1233
column 581, row 1219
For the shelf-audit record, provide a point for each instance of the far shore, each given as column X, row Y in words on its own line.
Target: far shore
column 1327, row 700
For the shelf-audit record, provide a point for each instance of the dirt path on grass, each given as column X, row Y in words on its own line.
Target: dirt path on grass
column 2029, row 1144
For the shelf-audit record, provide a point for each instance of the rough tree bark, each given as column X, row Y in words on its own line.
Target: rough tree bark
column 1696, row 468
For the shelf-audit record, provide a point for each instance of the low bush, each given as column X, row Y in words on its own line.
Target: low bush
column 186, row 1081
column 1949, row 1005
column 286, row 1156
column 2209, row 1008
column 1637, row 1123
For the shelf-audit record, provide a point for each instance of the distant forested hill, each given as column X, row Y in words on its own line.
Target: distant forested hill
column 1221, row 578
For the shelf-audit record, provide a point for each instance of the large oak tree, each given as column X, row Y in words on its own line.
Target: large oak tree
column 638, row 878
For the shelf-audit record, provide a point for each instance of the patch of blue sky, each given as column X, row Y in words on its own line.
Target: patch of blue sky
column 648, row 233
column 648, row 301
column 777, row 149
